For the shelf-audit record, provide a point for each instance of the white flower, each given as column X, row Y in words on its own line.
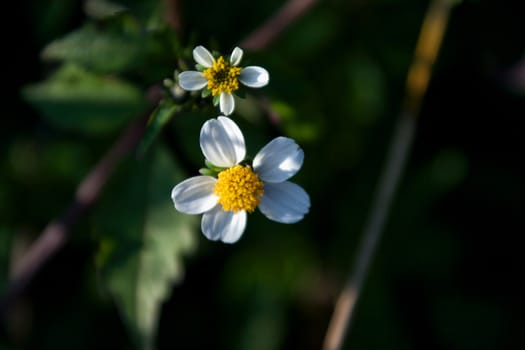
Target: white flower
column 221, row 78
column 240, row 188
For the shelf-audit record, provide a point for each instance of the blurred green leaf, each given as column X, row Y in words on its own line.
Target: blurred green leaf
column 73, row 98
column 101, row 9
column 102, row 51
column 158, row 119
column 143, row 240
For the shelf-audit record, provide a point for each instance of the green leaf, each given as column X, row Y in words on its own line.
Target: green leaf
column 205, row 93
column 158, row 119
column 213, row 167
column 143, row 239
column 216, row 100
column 207, row 172
column 75, row 99
column 108, row 51
column 101, row 9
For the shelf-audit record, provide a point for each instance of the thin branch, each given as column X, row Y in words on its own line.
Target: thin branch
column 396, row 159
column 57, row 231
column 419, row 74
column 172, row 14
column 275, row 25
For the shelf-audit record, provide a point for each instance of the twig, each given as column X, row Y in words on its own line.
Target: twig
column 56, row 233
column 427, row 48
column 344, row 307
column 275, row 25
column 172, row 14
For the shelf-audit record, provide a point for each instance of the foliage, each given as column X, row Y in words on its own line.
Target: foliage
column 73, row 98
column 135, row 273
column 142, row 242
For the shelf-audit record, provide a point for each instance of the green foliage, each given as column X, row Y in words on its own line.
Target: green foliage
column 158, row 119
column 102, row 9
column 337, row 85
column 73, row 98
column 143, row 239
column 103, row 51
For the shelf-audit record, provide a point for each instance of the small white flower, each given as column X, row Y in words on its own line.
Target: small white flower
column 221, row 77
column 240, row 188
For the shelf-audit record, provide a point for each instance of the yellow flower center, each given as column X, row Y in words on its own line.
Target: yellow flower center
column 239, row 188
column 222, row 77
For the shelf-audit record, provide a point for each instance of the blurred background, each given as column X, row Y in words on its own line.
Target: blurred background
column 448, row 273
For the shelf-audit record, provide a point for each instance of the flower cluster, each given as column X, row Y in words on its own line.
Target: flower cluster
column 232, row 186
column 221, row 77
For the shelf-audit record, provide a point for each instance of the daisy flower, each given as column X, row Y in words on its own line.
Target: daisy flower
column 239, row 187
column 221, row 77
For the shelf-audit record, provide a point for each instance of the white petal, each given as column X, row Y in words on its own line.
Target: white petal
column 222, row 142
column 279, row 160
column 226, row 103
column 254, row 76
column 226, row 226
column 203, row 57
column 194, row 195
column 284, row 202
column 192, row 80
column 236, row 56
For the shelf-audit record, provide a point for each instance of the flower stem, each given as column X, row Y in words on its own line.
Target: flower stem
column 56, row 233
column 265, row 34
column 430, row 39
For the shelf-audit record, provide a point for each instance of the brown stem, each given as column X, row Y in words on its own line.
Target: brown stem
column 172, row 14
column 275, row 25
column 419, row 74
column 56, row 233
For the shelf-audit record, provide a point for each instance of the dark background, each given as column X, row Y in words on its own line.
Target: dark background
column 448, row 273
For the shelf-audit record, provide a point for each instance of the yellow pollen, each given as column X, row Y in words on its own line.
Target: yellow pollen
column 239, row 188
column 222, row 77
